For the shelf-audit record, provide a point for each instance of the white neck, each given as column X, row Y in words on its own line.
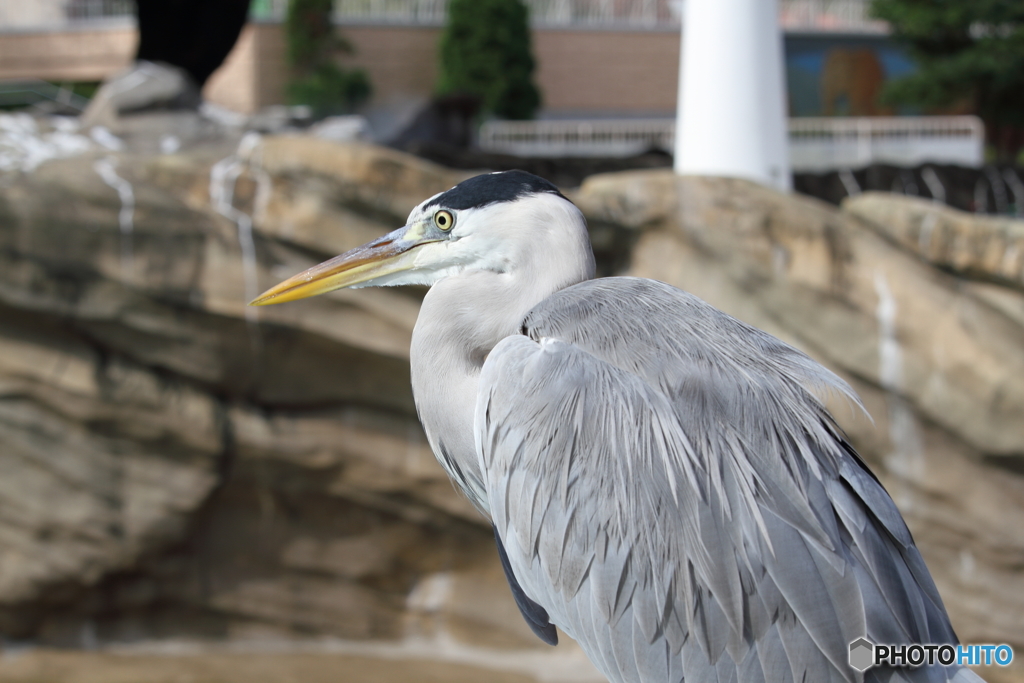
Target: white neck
column 462, row 318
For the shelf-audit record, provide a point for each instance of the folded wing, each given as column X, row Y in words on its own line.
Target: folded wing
column 668, row 488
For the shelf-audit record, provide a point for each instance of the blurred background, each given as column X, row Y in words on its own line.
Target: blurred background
column 193, row 490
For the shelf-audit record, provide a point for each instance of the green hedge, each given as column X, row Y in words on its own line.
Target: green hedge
column 486, row 52
column 314, row 47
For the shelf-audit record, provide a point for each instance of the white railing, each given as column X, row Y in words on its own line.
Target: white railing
column 580, row 13
column 829, row 143
column 587, row 13
column 815, row 144
column 403, row 12
column 88, row 10
column 841, row 16
column 415, row 12
column 36, row 15
column 593, row 138
column 794, row 15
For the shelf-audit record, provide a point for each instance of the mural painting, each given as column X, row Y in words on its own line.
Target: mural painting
column 842, row 75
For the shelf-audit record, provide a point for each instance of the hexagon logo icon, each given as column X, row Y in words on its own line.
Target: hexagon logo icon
column 862, row 654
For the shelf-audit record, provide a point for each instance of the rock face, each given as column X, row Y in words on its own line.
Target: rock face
column 169, row 454
column 175, row 463
column 983, row 248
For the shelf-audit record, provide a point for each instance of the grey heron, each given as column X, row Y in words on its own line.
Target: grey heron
column 663, row 481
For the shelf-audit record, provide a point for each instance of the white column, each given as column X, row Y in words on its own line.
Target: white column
column 731, row 117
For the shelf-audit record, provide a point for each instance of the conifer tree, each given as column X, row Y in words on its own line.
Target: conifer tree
column 486, row 52
column 967, row 51
column 314, row 46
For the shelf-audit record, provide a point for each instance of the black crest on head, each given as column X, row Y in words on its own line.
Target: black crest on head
column 491, row 188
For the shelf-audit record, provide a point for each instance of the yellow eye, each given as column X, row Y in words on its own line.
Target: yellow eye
column 444, row 220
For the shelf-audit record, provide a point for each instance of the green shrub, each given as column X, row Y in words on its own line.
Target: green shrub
column 329, row 89
column 314, row 46
column 485, row 52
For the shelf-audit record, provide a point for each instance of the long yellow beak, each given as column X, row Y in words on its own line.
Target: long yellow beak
column 383, row 256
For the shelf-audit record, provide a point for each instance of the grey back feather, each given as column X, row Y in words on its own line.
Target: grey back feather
column 670, row 489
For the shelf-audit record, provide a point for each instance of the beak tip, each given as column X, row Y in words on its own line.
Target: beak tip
column 354, row 267
column 264, row 299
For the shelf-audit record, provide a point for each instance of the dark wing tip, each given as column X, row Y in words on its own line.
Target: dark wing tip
column 536, row 616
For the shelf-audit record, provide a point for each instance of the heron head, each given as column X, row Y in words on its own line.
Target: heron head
column 490, row 222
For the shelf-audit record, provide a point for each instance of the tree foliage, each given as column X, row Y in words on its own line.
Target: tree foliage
column 314, row 46
column 966, row 50
column 486, row 52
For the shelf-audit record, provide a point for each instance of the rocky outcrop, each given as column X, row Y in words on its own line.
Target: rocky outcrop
column 147, row 413
column 176, row 463
column 977, row 247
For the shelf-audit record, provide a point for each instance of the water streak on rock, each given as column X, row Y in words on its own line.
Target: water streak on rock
column 906, row 458
column 105, row 167
column 24, row 145
column 223, row 178
column 934, row 183
column 1017, row 188
column 104, row 138
column 849, row 181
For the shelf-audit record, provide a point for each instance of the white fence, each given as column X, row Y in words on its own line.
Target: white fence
column 795, row 15
column 401, row 12
column 815, row 144
column 828, row 15
column 650, row 14
column 592, row 138
column 35, row 15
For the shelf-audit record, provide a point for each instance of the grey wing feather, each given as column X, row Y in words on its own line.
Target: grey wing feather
column 670, row 490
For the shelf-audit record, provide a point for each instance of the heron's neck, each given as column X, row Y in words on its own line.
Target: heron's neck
column 462, row 319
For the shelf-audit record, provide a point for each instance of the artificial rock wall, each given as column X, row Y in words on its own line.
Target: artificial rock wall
column 176, row 464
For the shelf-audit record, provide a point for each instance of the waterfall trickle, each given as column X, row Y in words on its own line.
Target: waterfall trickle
column 223, row 178
column 907, row 456
column 105, row 168
column 24, row 144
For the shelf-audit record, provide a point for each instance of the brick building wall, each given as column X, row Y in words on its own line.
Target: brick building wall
column 611, row 72
column 254, row 73
column 579, row 72
column 68, row 55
